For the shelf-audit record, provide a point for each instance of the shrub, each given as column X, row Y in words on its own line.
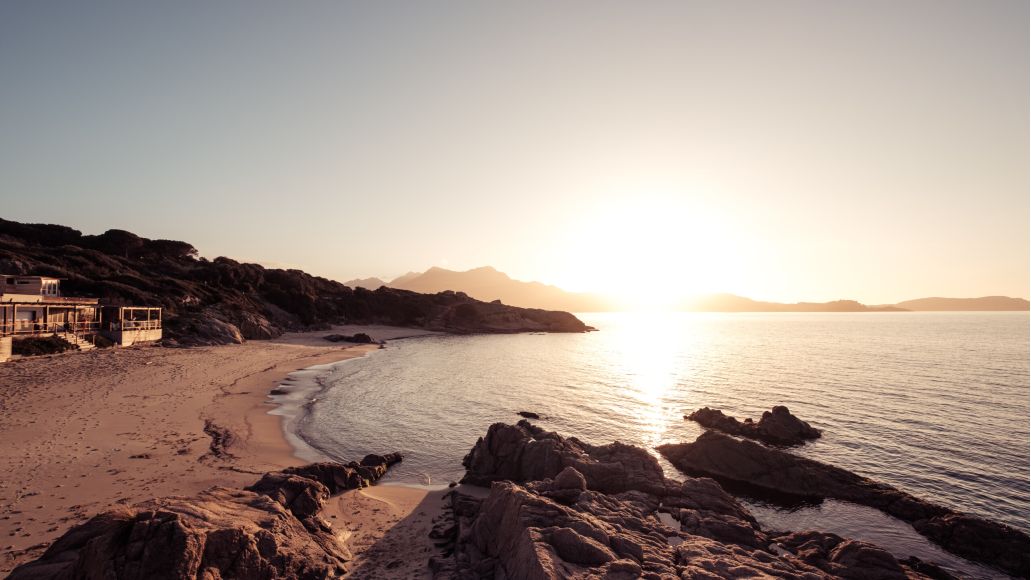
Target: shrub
column 40, row 345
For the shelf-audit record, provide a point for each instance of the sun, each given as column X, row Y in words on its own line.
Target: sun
column 648, row 253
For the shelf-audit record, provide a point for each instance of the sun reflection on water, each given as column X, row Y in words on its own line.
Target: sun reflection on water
column 646, row 353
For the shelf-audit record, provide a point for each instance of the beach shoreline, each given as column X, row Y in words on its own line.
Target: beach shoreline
column 87, row 432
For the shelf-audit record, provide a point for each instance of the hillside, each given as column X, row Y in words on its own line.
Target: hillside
column 222, row 300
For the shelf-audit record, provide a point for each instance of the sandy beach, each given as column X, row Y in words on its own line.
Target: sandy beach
column 87, row 431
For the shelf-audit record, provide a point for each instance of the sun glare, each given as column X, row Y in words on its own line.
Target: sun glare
column 650, row 253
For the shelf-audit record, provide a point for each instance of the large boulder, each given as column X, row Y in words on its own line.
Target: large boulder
column 726, row 458
column 775, row 427
column 525, row 452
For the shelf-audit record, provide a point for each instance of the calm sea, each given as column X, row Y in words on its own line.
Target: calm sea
column 933, row 403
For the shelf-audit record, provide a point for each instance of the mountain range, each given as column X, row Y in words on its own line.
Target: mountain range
column 487, row 281
column 488, row 284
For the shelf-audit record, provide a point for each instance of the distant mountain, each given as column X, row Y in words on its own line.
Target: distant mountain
column 985, row 303
column 488, row 284
column 405, row 278
column 732, row 303
column 367, row 283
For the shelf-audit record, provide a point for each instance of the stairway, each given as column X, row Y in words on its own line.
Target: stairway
column 80, row 341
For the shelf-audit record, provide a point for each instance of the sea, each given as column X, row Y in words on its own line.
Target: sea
column 935, row 404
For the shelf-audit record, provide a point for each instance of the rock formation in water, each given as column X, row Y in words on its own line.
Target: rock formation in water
column 560, row 508
column 729, row 459
column 525, row 452
column 776, row 427
column 272, row 529
column 224, row 301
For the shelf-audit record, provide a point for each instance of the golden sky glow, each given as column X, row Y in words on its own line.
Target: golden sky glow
column 790, row 150
column 649, row 251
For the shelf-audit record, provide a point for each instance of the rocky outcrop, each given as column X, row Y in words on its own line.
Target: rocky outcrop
column 223, row 301
column 269, row 530
column 729, row 459
column 618, row 517
column 776, row 427
column 525, row 452
column 844, row 558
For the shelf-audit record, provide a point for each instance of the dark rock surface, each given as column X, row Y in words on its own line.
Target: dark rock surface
column 776, row 427
column 525, row 452
column 726, row 458
column 528, row 415
column 269, row 530
column 559, row 508
column 223, row 301
column 359, row 338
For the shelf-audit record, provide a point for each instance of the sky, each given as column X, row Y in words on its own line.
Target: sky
column 792, row 150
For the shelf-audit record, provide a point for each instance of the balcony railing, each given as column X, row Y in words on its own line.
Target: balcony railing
column 136, row 325
column 29, row 327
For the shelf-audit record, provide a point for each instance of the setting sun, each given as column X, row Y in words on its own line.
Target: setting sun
column 650, row 252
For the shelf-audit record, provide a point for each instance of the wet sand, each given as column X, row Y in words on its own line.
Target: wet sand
column 86, row 431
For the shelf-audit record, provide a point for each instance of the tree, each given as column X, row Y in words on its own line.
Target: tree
column 118, row 243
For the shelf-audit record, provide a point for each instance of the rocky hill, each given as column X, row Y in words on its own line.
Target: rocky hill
column 487, row 283
column 222, row 300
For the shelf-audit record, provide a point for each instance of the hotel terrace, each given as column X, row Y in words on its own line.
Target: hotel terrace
column 33, row 306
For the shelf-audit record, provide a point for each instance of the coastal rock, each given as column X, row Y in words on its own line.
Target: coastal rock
column 525, row 452
column 359, row 338
column 202, row 329
column 270, row 530
column 526, row 531
column 570, row 479
column 254, row 326
column 221, row 533
column 295, row 493
column 776, row 427
column 722, row 457
column 571, row 524
column 528, row 415
column 841, row 557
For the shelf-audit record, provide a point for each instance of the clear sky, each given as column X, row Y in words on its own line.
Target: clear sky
column 813, row 150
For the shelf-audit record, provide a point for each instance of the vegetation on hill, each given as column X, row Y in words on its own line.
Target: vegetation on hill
column 222, row 300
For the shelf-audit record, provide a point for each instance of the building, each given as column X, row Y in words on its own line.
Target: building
column 34, row 306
